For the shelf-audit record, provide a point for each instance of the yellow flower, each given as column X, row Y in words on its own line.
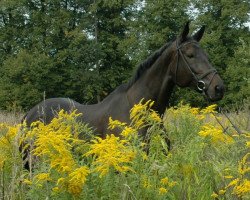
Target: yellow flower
column 155, row 116
column 115, row 124
column 214, row 195
column 54, row 141
column 77, row 179
column 8, row 142
column 195, row 111
column 164, row 181
column 243, row 188
column 79, row 175
column 209, row 109
column 2, row 160
column 141, row 114
column 74, row 189
column 244, row 166
column 55, row 189
column 43, row 177
column 129, row 132
column 172, row 184
column 221, row 192
column 139, row 123
column 146, row 182
column 228, row 177
column 111, row 152
column 215, row 134
column 248, row 144
column 233, row 182
column 60, row 181
column 137, row 109
column 26, row 181
column 162, row 190
column 144, row 156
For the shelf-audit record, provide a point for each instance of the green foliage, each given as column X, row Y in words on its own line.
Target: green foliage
column 61, row 48
column 84, row 49
column 238, row 73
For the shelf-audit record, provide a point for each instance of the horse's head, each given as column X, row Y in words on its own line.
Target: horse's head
column 192, row 67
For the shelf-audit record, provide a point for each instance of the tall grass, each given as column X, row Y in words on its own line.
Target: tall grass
column 205, row 161
column 10, row 118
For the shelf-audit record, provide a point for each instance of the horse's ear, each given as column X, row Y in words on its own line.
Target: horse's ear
column 197, row 36
column 185, row 32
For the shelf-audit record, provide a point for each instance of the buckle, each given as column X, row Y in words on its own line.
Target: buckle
column 201, row 85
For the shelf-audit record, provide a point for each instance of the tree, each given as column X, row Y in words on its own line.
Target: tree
column 50, row 49
column 110, row 21
column 238, row 73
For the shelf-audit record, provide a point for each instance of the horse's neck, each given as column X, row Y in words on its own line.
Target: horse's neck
column 155, row 84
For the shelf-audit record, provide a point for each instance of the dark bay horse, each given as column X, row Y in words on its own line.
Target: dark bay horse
column 180, row 62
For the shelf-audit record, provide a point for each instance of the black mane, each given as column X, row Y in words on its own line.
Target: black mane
column 146, row 64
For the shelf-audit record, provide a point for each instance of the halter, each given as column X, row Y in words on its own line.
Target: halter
column 201, row 86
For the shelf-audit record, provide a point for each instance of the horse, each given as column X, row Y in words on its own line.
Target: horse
column 180, row 62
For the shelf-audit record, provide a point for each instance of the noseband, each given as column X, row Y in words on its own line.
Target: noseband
column 201, row 86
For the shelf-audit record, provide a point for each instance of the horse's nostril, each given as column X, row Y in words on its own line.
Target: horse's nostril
column 219, row 89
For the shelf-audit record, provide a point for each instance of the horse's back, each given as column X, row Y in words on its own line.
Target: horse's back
column 46, row 110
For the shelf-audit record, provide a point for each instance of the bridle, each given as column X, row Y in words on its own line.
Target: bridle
column 201, row 85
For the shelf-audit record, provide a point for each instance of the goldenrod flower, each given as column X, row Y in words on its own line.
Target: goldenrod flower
column 43, row 177
column 146, row 182
column 55, row 189
column 155, row 116
column 60, row 181
column 77, row 179
column 233, row 182
column 243, row 188
column 3, row 158
column 195, row 111
column 27, row 182
column 139, row 108
column 79, row 174
column 54, row 141
column 248, row 144
column 162, row 190
column 185, row 111
column 7, row 142
column 144, row 156
column 244, row 166
column 209, row 109
column 221, row 192
column 111, row 152
column 228, row 177
column 115, row 124
column 164, row 181
column 141, row 114
column 172, row 184
column 215, row 134
column 214, row 195
column 129, row 132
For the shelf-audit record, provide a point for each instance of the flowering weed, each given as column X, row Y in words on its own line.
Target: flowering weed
column 69, row 162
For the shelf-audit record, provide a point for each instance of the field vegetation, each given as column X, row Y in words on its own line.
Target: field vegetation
column 205, row 161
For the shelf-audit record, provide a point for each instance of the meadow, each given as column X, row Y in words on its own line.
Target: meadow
column 208, row 158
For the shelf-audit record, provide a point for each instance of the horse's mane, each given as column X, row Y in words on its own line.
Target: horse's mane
column 146, row 64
